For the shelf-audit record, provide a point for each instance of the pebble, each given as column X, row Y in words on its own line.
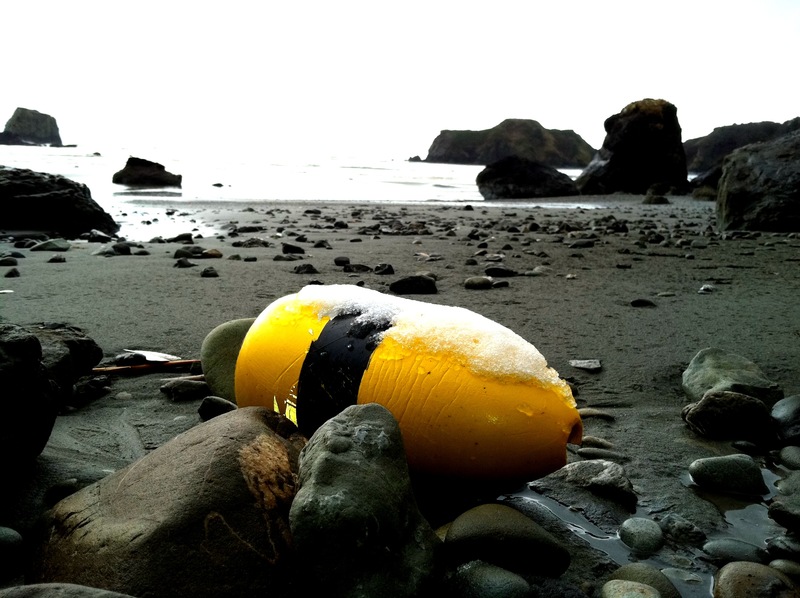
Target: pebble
column 730, row 474
column 752, row 580
column 12, row 273
column 305, row 269
column 209, row 273
column 500, row 272
column 587, row 412
column 642, row 535
column 789, row 568
column 384, row 269
column 8, row 261
column 478, row 283
column 786, row 413
column 790, row 457
column 589, row 365
column 414, row 285
column 183, row 263
column 648, row 575
column 485, row 580
column 622, row 588
column 727, row 550
column 212, row 406
column 729, row 415
column 181, row 389
column 642, row 303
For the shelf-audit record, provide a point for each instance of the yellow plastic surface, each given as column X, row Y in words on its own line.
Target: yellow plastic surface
column 454, row 421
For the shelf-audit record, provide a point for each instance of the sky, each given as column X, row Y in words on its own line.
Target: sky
column 302, row 76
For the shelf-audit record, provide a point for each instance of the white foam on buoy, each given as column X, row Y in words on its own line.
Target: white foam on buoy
column 476, row 341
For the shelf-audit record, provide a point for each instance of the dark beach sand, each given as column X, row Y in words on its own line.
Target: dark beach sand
column 580, row 309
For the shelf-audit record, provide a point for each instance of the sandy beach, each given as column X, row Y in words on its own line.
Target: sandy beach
column 581, row 276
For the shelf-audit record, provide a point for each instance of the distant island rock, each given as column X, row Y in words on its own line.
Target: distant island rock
column 139, row 172
column 517, row 178
column 707, row 153
column 37, row 201
column 30, row 127
column 642, row 148
column 512, row 137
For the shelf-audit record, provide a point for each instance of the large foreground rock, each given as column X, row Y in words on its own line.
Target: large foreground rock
column 517, row 178
column 355, row 522
column 139, row 172
column 642, row 148
column 30, row 127
column 37, row 201
column 206, row 514
column 706, row 153
column 760, row 187
column 512, row 137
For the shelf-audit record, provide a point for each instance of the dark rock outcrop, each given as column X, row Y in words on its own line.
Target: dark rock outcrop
column 29, row 404
column 30, row 127
column 37, row 201
column 760, row 187
column 512, row 137
column 206, row 514
column 642, row 148
column 517, row 178
column 706, row 153
column 139, row 172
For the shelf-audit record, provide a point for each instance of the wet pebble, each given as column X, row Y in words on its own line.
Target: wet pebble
column 648, row 575
column 484, row 580
column 727, row 550
column 726, row 415
column 622, row 588
column 642, row 535
column 730, row 474
column 290, row 248
column 752, row 580
column 503, row 536
column 789, row 568
column 786, row 413
column 681, row 530
column 790, row 457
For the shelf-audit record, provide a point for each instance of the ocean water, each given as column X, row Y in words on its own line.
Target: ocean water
column 248, row 177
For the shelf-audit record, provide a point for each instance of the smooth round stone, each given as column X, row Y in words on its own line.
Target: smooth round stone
column 789, row 568
column 790, row 457
column 218, row 355
column 728, row 550
column 484, row 580
column 648, row 575
column 731, row 474
column 622, row 588
column 642, row 535
column 752, row 580
column 478, row 283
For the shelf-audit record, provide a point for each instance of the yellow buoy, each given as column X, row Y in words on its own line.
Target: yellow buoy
column 473, row 399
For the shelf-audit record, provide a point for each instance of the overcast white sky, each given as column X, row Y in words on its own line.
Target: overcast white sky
column 344, row 76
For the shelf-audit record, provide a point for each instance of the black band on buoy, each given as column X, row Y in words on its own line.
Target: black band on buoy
column 332, row 370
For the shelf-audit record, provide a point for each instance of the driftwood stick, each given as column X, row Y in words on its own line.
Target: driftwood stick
column 150, row 366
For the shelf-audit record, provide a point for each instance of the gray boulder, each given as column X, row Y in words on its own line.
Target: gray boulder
column 760, row 187
column 355, row 522
column 139, row 172
column 642, row 148
column 30, row 127
column 518, row 178
column 718, row 370
column 206, row 514
column 512, row 137
column 37, row 201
